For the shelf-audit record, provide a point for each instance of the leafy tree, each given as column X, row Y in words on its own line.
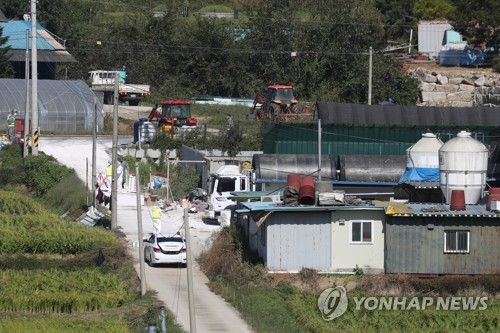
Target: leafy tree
column 432, row 9
column 478, row 21
column 230, row 139
column 6, row 70
column 398, row 18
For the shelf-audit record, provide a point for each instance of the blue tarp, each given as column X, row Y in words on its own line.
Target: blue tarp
column 466, row 57
column 420, row 174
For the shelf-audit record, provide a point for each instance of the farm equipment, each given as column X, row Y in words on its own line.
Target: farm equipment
column 173, row 117
column 278, row 103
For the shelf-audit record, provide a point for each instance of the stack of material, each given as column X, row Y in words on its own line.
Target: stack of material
column 291, row 196
column 291, row 192
column 91, row 217
column 335, row 197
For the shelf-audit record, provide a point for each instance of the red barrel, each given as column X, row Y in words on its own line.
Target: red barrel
column 307, row 193
column 457, row 200
column 494, row 195
column 293, row 180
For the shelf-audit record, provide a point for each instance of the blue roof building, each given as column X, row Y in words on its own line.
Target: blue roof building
column 50, row 49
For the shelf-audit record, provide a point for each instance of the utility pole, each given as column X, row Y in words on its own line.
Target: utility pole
column 192, row 318
column 34, row 78
column 114, row 185
column 94, row 153
column 139, row 231
column 370, row 79
column 319, row 149
column 27, row 102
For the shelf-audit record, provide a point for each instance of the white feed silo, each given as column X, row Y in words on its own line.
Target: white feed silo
column 463, row 162
column 422, row 159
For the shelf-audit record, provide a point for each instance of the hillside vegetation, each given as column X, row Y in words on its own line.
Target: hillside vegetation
column 52, row 280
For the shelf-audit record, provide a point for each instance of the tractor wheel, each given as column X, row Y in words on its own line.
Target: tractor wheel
column 275, row 111
column 294, row 108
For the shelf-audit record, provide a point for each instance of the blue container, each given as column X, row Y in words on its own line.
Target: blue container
column 137, row 126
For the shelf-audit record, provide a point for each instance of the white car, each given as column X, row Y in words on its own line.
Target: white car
column 165, row 249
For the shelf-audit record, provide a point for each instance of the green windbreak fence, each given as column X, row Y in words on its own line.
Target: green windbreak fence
column 288, row 138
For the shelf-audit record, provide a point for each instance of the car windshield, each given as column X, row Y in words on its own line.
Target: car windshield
column 176, row 111
column 169, row 239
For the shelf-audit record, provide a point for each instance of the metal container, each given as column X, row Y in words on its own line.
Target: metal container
column 279, row 166
column 424, row 153
column 148, row 131
column 463, row 162
column 371, row 168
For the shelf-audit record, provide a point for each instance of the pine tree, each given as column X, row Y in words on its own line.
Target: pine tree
column 6, row 70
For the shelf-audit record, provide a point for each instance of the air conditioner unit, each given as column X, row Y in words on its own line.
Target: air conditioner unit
column 271, row 198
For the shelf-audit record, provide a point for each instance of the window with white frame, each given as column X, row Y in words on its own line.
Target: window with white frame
column 456, row 241
column 361, row 232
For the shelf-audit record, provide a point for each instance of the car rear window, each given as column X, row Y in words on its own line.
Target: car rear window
column 169, row 239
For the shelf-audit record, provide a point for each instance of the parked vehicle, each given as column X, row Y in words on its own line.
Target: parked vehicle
column 174, row 117
column 226, row 180
column 165, row 249
column 277, row 103
column 104, row 81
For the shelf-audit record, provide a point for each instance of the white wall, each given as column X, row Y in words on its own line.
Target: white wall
column 345, row 254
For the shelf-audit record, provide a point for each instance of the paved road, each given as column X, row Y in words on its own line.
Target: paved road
column 213, row 314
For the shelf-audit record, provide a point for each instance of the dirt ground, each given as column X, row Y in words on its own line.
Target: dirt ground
column 431, row 65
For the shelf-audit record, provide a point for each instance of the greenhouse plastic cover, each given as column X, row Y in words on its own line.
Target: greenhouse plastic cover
column 63, row 106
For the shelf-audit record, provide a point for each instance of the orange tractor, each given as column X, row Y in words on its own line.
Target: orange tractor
column 173, row 117
column 277, row 103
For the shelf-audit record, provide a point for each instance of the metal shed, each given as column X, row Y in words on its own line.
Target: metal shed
column 436, row 240
column 289, row 238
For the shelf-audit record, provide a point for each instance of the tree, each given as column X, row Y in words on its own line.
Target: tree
column 433, row 9
column 230, row 139
column 6, row 70
column 478, row 21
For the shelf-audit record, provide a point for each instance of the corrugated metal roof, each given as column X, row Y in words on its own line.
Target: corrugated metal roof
column 49, row 49
column 270, row 206
column 425, row 209
column 16, row 31
column 406, row 116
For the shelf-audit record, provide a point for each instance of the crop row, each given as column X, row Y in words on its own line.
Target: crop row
column 52, row 325
column 304, row 308
column 59, row 238
column 57, row 291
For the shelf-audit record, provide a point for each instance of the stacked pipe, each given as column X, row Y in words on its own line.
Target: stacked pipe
column 299, row 191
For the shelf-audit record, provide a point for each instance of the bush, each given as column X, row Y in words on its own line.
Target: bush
column 11, row 165
column 42, row 172
column 70, row 194
column 496, row 65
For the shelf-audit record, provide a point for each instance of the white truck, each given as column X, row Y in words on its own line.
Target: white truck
column 104, row 81
column 226, row 180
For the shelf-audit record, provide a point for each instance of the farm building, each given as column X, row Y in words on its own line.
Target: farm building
column 50, row 49
column 63, row 106
column 432, row 239
column 356, row 129
column 325, row 238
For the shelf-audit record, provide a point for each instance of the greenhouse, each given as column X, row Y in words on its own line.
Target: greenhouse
column 63, row 106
